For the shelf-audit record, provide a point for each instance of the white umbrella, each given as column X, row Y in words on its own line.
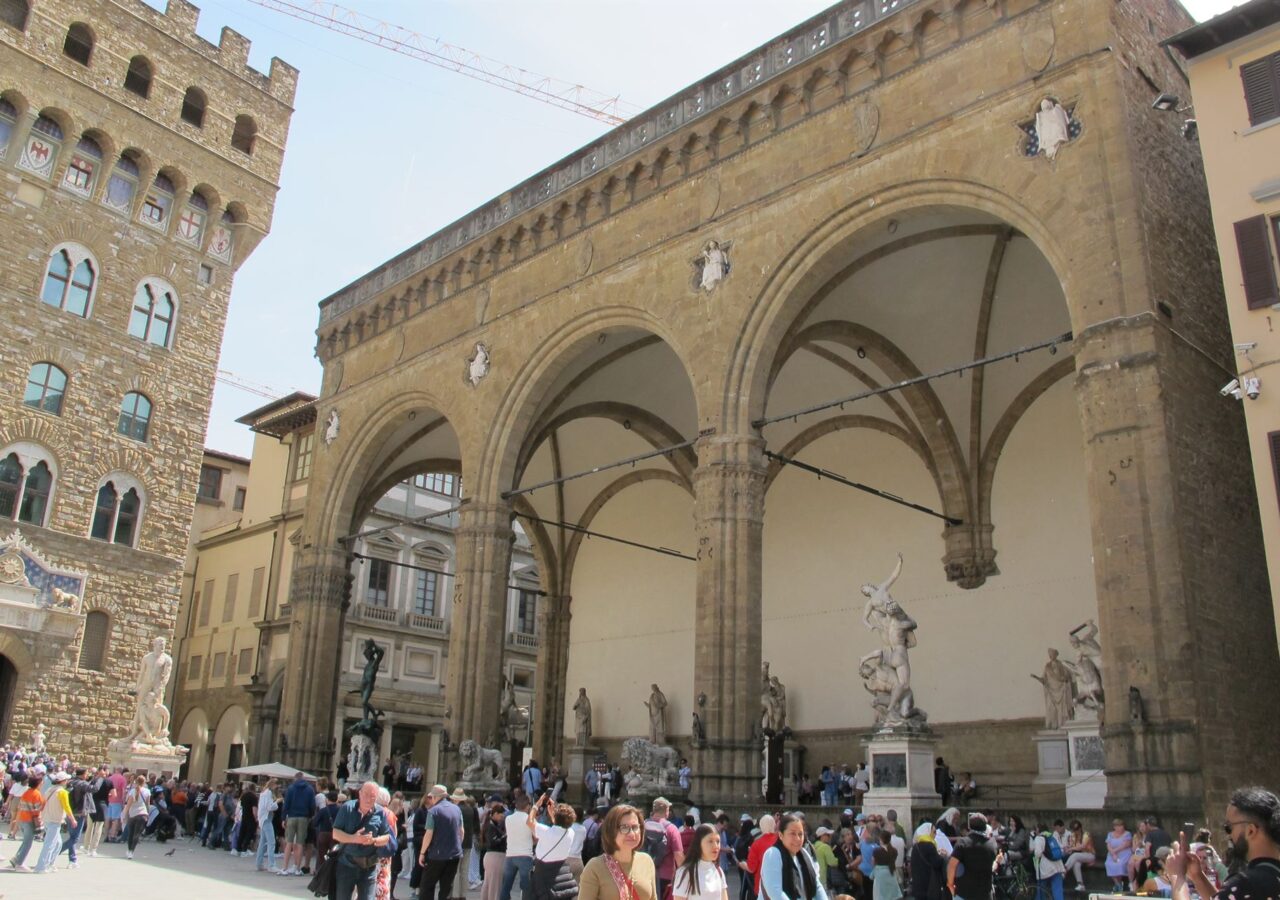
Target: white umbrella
column 270, row 770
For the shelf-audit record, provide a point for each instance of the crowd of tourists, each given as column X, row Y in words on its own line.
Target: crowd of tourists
column 366, row 843
column 449, row 844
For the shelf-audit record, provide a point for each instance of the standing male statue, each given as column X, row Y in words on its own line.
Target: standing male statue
column 373, row 655
column 897, row 632
column 1057, row 692
column 150, row 717
column 582, row 719
column 657, row 706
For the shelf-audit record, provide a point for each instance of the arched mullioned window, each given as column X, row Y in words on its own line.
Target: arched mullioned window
column 46, row 388
column 69, row 279
column 154, row 311
column 117, row 514
column 122, row 185
column 78, row 44
column 41, row 150
column 26, row 483
column 245, row 134
column 193, row 107
column 138, row 79
column 82, row 171
column 135, row 416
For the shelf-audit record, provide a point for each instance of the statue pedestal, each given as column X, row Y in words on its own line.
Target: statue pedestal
column 901, row 766
column 579, row 760
column 1053, row 757
column 147, row 759
column 792, row 769
column 772, row 766
column 362, row 761
column 1087, row 788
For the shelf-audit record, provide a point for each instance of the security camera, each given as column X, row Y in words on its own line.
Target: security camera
column 1246, row 347
column 1252, row 387
column 1232, row 387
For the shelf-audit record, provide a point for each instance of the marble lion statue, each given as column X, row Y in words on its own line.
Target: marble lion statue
column 649, row 759
column 480, row 763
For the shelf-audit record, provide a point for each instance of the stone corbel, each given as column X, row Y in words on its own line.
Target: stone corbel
column 970, row 559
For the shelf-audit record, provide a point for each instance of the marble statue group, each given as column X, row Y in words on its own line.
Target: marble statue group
column 886, row 672
column 1073, row 689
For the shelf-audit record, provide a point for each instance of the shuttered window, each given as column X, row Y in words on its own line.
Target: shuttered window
column 1262, row 88
column 93, row 649
column 1253, row 242
column 229, row 604
column 206, row 596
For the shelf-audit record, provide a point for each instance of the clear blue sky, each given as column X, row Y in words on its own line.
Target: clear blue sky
column 384, row 150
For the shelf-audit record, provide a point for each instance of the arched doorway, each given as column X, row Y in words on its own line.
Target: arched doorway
column 8, row 690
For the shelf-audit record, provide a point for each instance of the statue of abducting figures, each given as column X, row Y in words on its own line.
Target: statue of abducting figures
column 886, row 672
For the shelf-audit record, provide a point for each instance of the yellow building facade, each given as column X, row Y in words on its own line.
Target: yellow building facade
column 1234, row 65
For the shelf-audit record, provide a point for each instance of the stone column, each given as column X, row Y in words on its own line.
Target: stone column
column 318, row 599
column 258, row 750
column 1173, row 583
column 554, row 615
column 477, row 633
column 729, row 522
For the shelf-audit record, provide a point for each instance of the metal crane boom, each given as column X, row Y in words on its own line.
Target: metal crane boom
column 573, row 97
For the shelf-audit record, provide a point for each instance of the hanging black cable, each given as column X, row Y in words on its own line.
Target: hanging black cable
column 1052, row 344
column 876, row 492
column 665, row 551
column 404, row 565
column 629, row 461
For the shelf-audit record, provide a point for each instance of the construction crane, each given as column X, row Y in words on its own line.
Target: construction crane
column 573, row 97
column 236, row 381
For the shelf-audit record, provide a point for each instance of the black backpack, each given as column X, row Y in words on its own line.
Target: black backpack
column 656, row 843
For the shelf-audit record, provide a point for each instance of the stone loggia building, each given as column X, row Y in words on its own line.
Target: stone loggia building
column 138, row 164
column 884, row 203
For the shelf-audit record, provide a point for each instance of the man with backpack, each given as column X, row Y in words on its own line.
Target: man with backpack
column 969, row 869
column 1050, row 868
column 662, row 842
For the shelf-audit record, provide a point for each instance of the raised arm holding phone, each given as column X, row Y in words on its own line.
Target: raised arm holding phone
column 1252, row 826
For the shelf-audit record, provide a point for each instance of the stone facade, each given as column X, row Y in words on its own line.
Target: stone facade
column 823, row 163
column 185, row 211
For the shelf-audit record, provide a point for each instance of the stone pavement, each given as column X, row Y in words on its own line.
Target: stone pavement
column 175, row 869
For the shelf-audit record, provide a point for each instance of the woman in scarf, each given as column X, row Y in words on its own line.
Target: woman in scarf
column 620, row 872
column 787, row 871
column 928, row 867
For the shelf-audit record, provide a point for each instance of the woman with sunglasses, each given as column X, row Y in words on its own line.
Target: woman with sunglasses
column 787, row 871
column 622, row 871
